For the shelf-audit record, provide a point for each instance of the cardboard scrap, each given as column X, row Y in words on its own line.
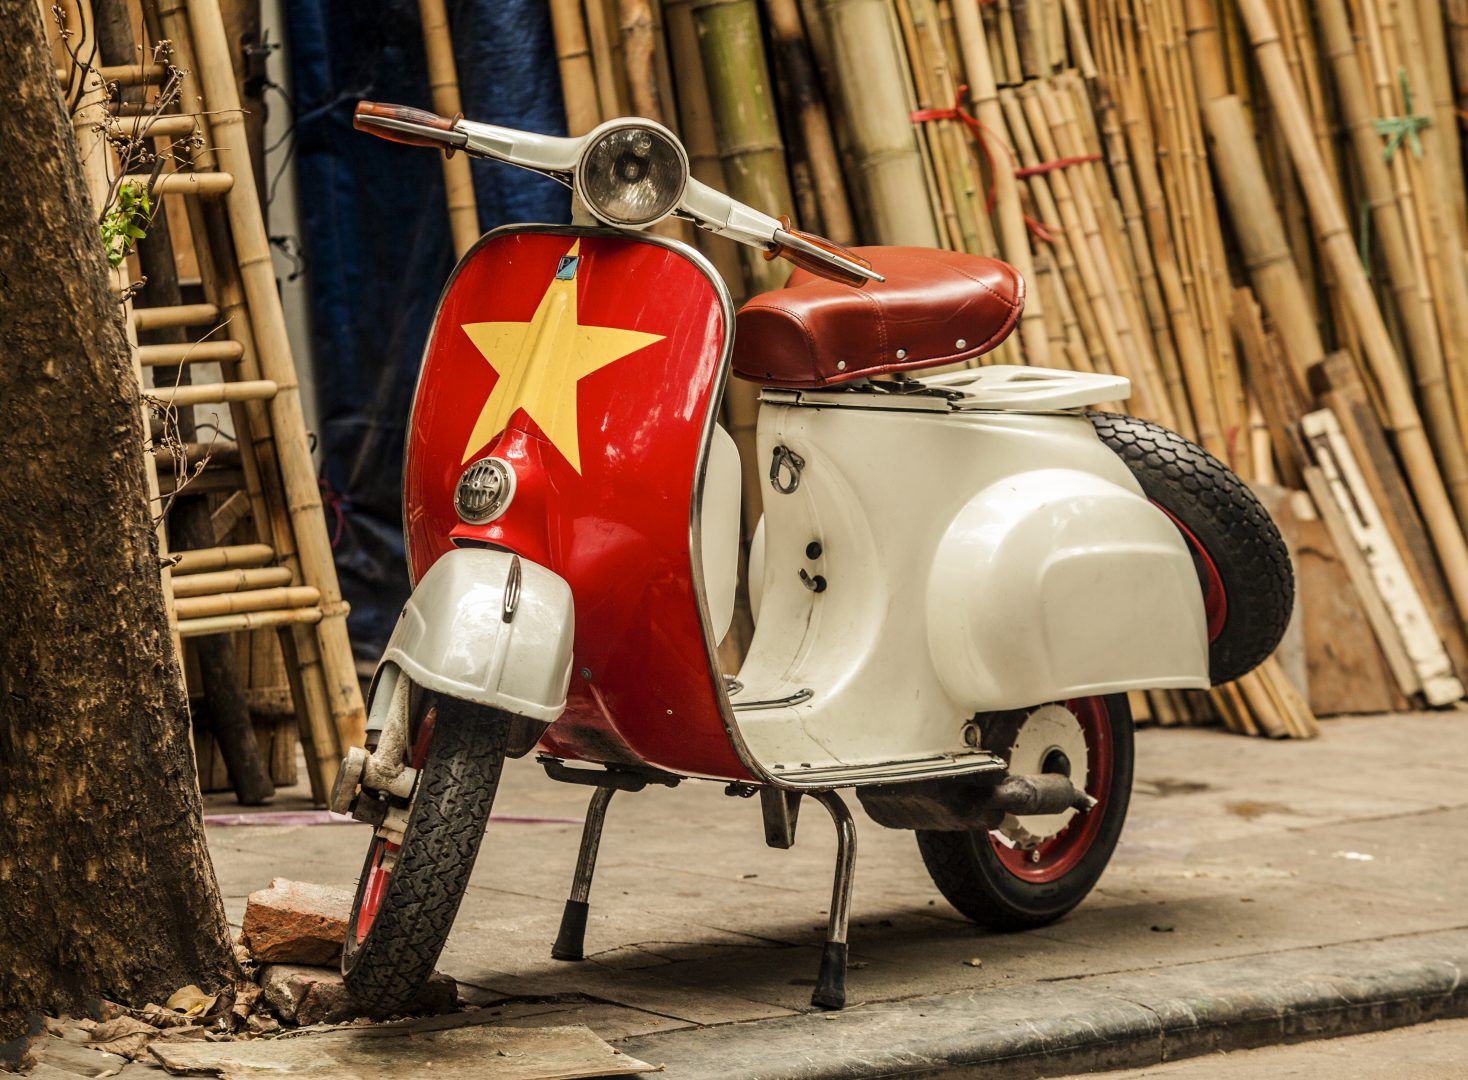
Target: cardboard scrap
column 474, row 1051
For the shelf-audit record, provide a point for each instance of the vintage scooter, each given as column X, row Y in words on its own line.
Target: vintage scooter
column 956, row 580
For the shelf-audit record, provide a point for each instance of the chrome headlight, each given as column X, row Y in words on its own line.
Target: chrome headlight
column 632, row 173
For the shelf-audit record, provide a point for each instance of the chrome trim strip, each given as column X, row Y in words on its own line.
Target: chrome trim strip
column 887, row 772
column 796, row 698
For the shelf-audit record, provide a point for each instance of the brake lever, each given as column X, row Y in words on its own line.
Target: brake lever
column 412, row 127
column 820, row 256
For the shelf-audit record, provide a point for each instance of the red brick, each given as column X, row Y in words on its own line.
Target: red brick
column 296, row 922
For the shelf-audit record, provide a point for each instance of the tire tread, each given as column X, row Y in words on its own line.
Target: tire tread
column 445, row 829
column 1226, row 517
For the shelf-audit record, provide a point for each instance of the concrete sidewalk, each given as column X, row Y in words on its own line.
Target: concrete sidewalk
column 1262, row 891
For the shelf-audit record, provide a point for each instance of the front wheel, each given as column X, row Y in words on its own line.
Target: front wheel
column 409, row 893
column 1034, row 868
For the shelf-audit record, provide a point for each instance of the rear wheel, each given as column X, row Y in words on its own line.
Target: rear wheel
column 1243, row 566
column 1035, row 868
column 409, row 894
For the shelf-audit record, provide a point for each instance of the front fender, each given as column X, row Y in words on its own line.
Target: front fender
column 1058, row 583
column 455, row 637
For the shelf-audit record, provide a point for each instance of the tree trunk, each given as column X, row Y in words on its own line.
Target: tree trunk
column 105, row 880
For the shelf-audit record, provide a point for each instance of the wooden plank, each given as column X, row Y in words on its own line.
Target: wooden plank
column 1345, row 669
column 1341, row 389
column 1347, row 487
column 1388, row 638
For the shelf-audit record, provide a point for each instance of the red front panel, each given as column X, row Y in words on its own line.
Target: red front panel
column 588, row 362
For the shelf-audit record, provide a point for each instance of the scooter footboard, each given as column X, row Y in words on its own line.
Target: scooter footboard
column 491, row 628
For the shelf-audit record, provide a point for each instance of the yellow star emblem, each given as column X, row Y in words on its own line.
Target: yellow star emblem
column 540, row 364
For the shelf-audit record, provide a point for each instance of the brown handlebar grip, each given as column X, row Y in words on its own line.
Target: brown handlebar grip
column 367, row 109
column 813, row 265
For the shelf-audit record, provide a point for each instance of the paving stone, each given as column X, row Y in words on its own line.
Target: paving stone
column 1230, row 841
column 306, row 995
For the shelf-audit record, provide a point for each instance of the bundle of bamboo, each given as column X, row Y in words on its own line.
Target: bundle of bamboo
column 1173, row 177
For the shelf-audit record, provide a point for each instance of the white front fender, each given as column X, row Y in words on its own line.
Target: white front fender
column 489, row 627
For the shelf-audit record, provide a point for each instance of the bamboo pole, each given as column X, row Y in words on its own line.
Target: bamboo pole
column 742, row 104
column 443, row 83
column 1193, row 348
column 231, row 603
column 1061, row 140
column 1412, row 292
column 1433, row 37
column 639, row 50
column 1168, row 338
column 1013, row 234
column 873, row 92
column 641, row 38
column 931, row 136
column 1260, row 233
column 609, row 87
column 236, row 556
column 250, row 620
column 696, row 126
column 235, row 580
column 1335, row 239
column 793, row 58
column 1442, row 181
column 1073, row 289
column 257, row 273
column 956, row 151
column 573, row 61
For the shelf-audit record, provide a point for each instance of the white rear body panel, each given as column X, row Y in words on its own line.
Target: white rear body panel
column 974, row 559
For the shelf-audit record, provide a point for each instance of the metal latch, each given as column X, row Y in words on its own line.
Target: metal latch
column 786, row 462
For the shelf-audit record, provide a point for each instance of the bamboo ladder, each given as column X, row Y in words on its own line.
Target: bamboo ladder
column 285, row 581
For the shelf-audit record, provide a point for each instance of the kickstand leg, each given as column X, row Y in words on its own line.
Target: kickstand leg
column 571, row 940
column 830, row 992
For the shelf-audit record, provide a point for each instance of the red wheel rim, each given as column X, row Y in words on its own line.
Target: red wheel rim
column 1215, row 599
column 1059, row 855
column 378, row 875
column 372, row 893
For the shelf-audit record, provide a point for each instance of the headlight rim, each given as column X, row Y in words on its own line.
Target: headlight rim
column 610, row 127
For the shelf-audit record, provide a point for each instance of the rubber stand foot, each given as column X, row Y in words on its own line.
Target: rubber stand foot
column 831, row 982
column 571, row 939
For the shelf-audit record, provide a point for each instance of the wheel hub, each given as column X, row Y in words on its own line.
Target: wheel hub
column 1050, row 739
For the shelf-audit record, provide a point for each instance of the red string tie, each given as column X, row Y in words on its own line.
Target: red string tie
column 982, row 137
column 1058, row 163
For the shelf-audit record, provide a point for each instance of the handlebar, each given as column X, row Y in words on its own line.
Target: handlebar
column 560, row 157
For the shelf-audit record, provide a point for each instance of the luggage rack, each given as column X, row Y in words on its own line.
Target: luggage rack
column 996, row 388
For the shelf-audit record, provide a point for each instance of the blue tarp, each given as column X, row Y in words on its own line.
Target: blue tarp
column 375, row 231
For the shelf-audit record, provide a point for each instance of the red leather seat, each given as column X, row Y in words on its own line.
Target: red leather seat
column 936, row 307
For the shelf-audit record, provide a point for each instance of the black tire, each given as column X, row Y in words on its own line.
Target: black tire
column 1223, row 516
column 388, row 968
column 969, row 872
